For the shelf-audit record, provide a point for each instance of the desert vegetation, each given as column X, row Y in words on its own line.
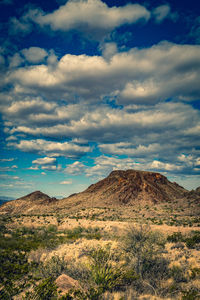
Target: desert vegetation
column 43, row 258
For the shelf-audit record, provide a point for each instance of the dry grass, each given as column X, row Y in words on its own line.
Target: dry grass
column 184, row 262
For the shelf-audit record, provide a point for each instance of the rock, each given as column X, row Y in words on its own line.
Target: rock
column 65, row 283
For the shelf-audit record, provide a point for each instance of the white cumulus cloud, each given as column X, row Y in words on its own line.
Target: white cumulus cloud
column 87, row 15
column 44, row 161
column 34, row 54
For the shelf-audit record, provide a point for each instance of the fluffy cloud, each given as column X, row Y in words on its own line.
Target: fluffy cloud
column 91, row 14
column 140, row 80
column 22, row 108
column 158, row 165
column 16, row 60
column 109, row 50
column 5, row 177
column 52, row 148
column 106, row 124
column 51, row 168
column 22, row 25
column 6, row 159
column 44, row 161
column 103, row 165
column 127, row 148
column 33, row 168
column 144, row 133
column 34, row 54
column 190, row 160
column 161, row 12
column 37, row 112
column 75, row 168
column 136, row 76
column 66, row 182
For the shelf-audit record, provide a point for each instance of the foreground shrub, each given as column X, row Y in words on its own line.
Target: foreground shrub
column 191, row 294
column 193, row 240
column 144, row 250
column 102, row 271
column 53, row 267
column 175, row 237
column 45, row 290
column 12, row 265
column 143, row 246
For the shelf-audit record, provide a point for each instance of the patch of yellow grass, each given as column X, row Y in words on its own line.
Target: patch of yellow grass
column 75, row 251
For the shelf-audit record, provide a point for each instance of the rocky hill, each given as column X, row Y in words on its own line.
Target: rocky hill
column 194, row 194
column 119, row 189
column 127, row 188
column 34, row 202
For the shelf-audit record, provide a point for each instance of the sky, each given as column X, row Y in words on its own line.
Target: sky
column 91, row 86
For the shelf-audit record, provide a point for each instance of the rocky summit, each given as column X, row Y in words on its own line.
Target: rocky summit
column 129, row 186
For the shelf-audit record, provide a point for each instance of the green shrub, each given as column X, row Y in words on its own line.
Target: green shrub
column 52, row 228
column 45, row 290
column 103, row 273
column 193, row 240
column 175, row 237
column 178, row 274
column 143, row 246
column 53, row 267
column 195, row 273
column 192, row 294
column 13, row 265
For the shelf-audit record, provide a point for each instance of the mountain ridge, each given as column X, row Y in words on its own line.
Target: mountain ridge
column 121, row 188
column 126, row 187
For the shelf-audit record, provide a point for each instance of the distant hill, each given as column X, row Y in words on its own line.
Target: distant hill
column 194, row 194
column 33, row 202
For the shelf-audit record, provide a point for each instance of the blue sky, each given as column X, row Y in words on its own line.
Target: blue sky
column 90, row 86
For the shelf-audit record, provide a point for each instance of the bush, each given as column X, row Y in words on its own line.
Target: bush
column 103, row 273
column 52, row 228
column 144, row 246
column 13, row 265
column 193, row 240
column 53, row 267
column 191, row 294
column 175, row 237
column 178, row 274
column 45, row 290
